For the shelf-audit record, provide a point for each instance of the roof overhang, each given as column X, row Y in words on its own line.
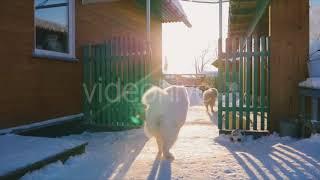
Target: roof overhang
column 168, row 11
column 96, row 1
column 172, row 11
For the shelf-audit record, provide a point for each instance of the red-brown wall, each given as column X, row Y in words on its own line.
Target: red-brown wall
column 289, row 30
column 35, row 89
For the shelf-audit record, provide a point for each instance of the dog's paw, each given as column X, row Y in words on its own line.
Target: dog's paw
column 169, row 157
column 159, row 156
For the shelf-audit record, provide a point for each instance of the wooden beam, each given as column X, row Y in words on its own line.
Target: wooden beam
column 238, row 26
column 261, row 10
column 241, row 18
column 244, row 3
column 242, row 11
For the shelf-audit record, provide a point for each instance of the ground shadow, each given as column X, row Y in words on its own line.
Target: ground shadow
column 161, row 170
column 121, row 165
column 164, row 170
column 274, row 160
column 154, row 170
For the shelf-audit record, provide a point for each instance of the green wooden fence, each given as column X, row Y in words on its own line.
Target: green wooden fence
column 244, row 85
column 115, row 75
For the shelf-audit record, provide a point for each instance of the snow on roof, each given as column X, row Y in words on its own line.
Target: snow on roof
column 311, row 83
column 49, row 25
column 172, row 11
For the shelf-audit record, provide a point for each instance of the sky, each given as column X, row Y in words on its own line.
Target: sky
column 58, row 14
column 182, row 44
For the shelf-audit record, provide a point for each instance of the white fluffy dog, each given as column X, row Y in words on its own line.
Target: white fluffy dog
column 166, row 112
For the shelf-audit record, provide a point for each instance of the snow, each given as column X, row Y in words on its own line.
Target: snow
column 42, row 124
column 107, row 154
column 210, row 72
column 20, row 151
column 195, row 96
column 200, row 154
column 311, row 83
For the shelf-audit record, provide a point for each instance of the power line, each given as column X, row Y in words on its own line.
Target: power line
column 206, row 2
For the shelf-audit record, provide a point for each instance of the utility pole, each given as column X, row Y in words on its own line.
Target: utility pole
column 148, row 24
column 220, row 30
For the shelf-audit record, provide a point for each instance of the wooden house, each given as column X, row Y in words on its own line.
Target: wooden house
column 41, row 72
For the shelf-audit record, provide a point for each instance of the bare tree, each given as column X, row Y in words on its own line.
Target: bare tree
column 165, row 66
column 203, row 60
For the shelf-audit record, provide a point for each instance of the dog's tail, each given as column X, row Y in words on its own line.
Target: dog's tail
column 153, row 96
column 153, row 99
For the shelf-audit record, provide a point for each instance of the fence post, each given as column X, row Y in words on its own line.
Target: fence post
column 248, row 82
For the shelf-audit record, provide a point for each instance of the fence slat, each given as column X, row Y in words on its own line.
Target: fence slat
column 241, row 84
column 112, row 76
column 263, row 81
column 268, row 83
column 255, row 83
column 233, row 85
column 227, row 83
column 117, row 77
column 220, row 89
column 103, row 84
column 125, row 79
column 248, row 82
column 120, row 79
column 86, row 79
column 108, row 81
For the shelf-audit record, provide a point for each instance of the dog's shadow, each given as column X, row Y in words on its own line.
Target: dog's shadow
column 213, row 117
column 161, row 170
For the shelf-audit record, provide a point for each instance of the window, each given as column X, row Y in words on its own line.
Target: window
column 54, row 28
column 314, row 29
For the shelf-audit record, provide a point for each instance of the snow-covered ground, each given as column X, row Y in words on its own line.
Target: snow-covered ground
column 21, row 151
column 200, row 154
column 311, row 83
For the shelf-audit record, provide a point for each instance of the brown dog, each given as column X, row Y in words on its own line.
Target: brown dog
column 209, row 98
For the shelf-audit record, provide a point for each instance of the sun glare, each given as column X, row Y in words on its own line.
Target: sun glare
column 182, row 44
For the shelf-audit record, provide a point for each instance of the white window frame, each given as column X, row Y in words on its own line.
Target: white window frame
column 71, row 38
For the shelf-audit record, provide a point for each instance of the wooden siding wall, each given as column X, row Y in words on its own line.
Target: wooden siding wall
column 289, row 29
column 34, row 89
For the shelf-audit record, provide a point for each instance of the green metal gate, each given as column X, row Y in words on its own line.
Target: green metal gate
column 115, row 75
column 244, row 85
